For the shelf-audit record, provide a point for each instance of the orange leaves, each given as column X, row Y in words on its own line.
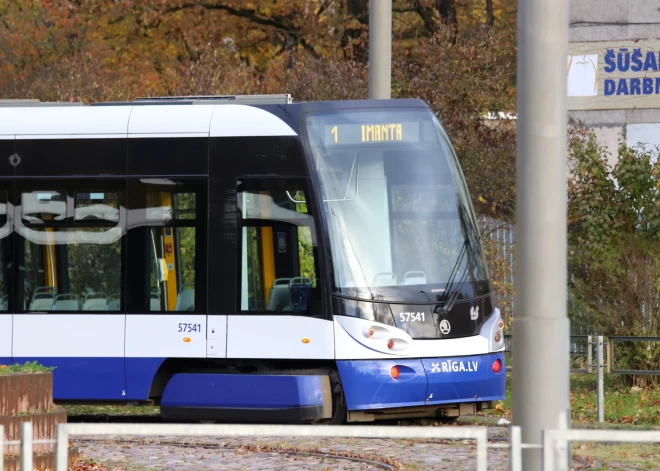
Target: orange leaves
column 82, row 464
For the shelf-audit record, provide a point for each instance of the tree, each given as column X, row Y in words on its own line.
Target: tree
column 614, row 256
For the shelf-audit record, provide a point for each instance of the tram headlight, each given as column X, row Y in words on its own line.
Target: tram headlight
column 390, row 344
column 498, row 337
column 500, row 324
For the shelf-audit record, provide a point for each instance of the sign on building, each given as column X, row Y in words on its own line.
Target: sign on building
column 614, row 75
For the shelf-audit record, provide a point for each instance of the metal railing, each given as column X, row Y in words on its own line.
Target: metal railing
column 603, row 364
column 611, row 340
column 579, row 345
column 67, row 430
column 583, row 345
column 553, row 445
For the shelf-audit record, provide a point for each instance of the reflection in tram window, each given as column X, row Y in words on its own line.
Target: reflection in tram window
column 67, row 269
column 5, row 253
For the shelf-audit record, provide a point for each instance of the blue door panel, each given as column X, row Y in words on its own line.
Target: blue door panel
column 85, row 378
column 140, row 373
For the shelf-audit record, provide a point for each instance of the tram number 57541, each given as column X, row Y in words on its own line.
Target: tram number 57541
column 190, row 327
column 412, row 317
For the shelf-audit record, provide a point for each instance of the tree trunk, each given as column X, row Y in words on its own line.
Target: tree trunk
column 354, row 39
column 490, row 13
column 447, row 10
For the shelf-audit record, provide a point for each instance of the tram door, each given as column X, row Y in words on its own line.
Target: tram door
column 279, row 291
column 166, row 275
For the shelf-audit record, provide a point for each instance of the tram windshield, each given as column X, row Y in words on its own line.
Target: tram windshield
column 400, row 222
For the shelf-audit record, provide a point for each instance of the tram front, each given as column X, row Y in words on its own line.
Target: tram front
column 416, row 332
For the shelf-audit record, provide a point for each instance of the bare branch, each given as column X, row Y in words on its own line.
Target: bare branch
column 251, row 14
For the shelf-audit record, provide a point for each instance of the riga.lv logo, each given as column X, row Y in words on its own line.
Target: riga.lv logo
column 452, row 366
column 474, row 313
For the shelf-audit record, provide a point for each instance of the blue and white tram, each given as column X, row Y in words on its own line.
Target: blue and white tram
column 246, row 259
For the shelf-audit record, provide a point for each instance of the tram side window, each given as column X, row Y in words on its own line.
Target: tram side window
column 5, row 253
column 278, row 252
column 65, row 266
column 172, row 248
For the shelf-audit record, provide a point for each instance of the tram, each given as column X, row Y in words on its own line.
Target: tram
column 246, row 258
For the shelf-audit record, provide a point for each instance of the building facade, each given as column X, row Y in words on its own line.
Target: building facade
column 614, row 70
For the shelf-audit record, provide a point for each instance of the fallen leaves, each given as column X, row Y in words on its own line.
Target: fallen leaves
column 85, row 464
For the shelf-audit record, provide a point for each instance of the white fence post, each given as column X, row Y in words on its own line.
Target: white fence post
column 62, row 448
column 26, row 446
column 600, row 388
column 2, row 447
column 515, row 448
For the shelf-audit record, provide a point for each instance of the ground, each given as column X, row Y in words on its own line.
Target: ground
column 625, row 408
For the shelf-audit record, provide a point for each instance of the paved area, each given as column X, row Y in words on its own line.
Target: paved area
column 329, row 454
column 271, row 454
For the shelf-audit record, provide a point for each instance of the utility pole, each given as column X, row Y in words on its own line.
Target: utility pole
column 380, row 49
column 541, row 331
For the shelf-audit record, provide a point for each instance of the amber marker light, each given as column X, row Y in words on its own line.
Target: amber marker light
column 395, row 372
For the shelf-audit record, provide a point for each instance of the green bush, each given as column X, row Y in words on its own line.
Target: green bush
column 614, row 247
column 29, row 367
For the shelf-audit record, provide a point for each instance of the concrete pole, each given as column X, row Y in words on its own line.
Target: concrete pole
column 380, row 49
column 541, row 331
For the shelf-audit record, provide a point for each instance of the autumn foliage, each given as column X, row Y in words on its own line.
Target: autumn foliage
column 457, row 55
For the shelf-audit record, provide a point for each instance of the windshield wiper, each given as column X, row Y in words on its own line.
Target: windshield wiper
column 449, row 304
column 451, row 295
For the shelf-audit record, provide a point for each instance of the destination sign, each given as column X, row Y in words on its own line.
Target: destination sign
column 371, row 133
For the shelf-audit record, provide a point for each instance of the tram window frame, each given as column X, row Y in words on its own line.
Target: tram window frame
column 69, row 224
column 254, row 186
column 147, row 264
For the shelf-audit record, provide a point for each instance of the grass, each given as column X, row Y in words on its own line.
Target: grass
column 637, row 456
column 622, row 405
column 112, row 410
column 26, row 368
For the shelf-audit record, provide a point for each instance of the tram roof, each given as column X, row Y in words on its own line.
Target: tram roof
column 211, row 116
